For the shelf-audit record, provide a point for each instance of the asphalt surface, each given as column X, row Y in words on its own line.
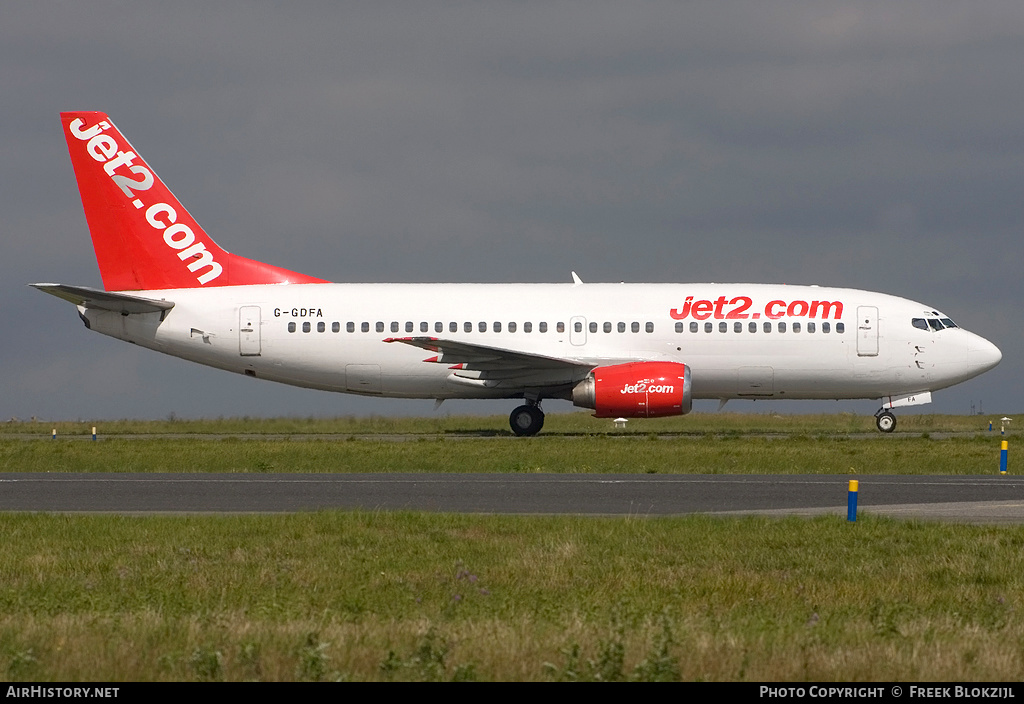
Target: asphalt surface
column 969, row 499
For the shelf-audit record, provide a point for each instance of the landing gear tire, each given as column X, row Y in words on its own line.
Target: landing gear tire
column 885, row 421
column 526, row 420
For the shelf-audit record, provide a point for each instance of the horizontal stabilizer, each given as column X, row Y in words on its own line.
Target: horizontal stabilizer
column 104, row 300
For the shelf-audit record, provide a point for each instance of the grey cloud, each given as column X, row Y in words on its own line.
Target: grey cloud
column 873, row 145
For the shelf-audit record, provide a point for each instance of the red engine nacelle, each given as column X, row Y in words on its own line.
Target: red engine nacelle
column 636, row 390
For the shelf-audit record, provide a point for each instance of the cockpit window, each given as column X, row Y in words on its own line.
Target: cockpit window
column 932, row 323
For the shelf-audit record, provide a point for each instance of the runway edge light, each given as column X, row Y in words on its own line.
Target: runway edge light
column 1003, row 452
column 851, row 501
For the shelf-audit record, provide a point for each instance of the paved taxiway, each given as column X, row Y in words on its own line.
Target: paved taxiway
column 975, row 499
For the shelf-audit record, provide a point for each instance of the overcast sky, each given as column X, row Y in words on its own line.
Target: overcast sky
column 869, row 145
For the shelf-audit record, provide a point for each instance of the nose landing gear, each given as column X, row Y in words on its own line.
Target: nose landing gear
column 885, row 421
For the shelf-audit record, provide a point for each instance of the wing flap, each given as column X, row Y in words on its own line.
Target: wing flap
column 482, row 365
column 454, row 352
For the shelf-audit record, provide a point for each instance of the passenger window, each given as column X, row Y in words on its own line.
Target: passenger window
column 560, row 327
column 694, row 327
column 810, row 327
column 453, row 327
column 679, row 327
column 511, row 327
column 635, row 327
column 782, row 327
column 527, row 327
column 467, row 326
column 826, row 327
column 708, row 327
column 380, row 326
column 424, row 327
column 622, row 327
column 737, row 327
column 752, row 327
column 649, row 327
column 408, row 326
column 578, row 327
column 497, row 326
column 305, row 327
column 840, row 328
column 439, row 326
column 723, row 326
column 321, row 326
column 543, row 327
column 481, row 326
column 593, row 327
column 394, row 326
column 349, row 327
column 291, row 327
column 608, row 327
column 796, row 327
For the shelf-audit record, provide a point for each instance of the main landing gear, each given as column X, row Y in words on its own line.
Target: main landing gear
column 885, row 421
column 526, row 420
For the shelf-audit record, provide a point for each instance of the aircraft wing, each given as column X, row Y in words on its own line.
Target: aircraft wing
column 122, row 303
column 482, row 365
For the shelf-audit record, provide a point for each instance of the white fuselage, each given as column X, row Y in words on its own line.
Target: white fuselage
column 739, row 340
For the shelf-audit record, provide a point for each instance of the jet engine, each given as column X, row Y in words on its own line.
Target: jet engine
column 636, row 390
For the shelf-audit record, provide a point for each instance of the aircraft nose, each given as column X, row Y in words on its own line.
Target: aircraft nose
column 982, row 355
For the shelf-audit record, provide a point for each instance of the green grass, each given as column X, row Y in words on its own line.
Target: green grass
column 367, row 596
column 699, row 454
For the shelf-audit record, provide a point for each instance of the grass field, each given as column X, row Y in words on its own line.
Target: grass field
column 419, row 596
column 579, row 423
column 711, row 444
column 558, row 454
column 426, row 596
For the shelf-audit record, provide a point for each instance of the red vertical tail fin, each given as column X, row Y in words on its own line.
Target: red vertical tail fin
column 143, row 237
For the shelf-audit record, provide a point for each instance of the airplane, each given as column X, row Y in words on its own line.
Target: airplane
column 621, row 350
